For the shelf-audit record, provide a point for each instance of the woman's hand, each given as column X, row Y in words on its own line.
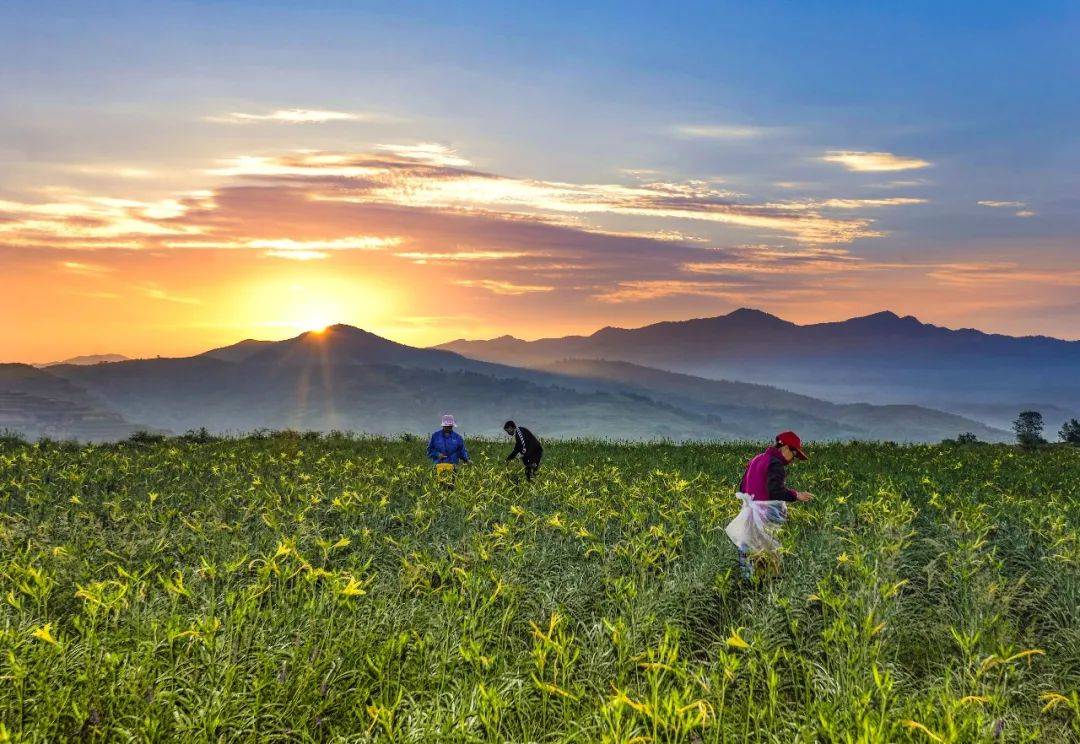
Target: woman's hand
column 804, row 495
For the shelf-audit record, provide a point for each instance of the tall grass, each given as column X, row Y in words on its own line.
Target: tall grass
column 282, row 587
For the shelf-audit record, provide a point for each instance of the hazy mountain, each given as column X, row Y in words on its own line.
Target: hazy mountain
column 181, row 394
column 760, row 410
column 88, row 359
column 347, row 378
column 237, row 352
column 880, row 358
column 35, row 403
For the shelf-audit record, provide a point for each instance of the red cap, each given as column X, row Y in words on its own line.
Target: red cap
column 791, row 439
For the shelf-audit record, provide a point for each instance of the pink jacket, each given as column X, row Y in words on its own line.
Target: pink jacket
column 764, row 477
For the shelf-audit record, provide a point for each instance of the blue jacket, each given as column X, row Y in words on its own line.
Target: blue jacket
column 452, row 445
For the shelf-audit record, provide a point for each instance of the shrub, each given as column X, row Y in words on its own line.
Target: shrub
column 198, row 436
column 146, row 437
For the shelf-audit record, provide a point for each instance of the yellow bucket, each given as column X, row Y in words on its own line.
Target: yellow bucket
column 444, row 468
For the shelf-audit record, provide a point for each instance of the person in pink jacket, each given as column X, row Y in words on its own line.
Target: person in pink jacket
column 765, row 479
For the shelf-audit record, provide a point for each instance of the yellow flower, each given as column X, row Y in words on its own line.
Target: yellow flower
column 916, row 726
column 44, row 633
column 353, row 588
column 736, row 641
column 843, row 558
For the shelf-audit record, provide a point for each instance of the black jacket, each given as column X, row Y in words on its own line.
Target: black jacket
column 526, row 445
column 775, row 478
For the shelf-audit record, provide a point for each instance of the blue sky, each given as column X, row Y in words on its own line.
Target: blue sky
column 769, row 106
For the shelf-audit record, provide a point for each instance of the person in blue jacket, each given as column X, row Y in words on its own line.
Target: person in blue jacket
column 446, row 445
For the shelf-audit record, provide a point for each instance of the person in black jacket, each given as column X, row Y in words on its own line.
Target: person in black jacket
column 526, row 445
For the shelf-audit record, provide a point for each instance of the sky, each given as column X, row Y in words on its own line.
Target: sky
column 177, row 176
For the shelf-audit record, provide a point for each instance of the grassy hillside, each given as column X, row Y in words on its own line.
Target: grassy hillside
column 306, row 588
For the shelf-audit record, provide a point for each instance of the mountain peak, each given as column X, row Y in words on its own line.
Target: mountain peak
column 886, row 318
column 750, row 313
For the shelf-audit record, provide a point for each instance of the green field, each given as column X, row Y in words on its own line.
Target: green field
column 291, row 588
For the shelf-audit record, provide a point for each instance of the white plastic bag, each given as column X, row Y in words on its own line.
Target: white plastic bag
column 752, row 530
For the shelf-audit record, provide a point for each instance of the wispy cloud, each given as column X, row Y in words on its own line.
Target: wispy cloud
column 1001, row 204
column 81, row 221
column 291, row 116
column 717, row 131
column 298, row 255
column 502, row 287
column 654, row 289
column 748, row 262
column 297, row 250
column 901, row 183
column 429, row 178
column 1019, row 206
column 350, row 243
column 443, row 256
column 405, row 206
column 1001, row 273
column 117, row 171
column 85, row 269
column 898, row 201
column 431, row 153
column 156, row 292
column 856, row 160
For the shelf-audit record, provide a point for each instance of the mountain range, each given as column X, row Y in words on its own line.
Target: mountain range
column 881, row 359
column 654, row 382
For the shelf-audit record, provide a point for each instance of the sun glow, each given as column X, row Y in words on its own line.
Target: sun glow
column 292, row 305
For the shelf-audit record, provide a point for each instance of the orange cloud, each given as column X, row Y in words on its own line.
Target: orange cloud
column 430, row 177
column 364, row 230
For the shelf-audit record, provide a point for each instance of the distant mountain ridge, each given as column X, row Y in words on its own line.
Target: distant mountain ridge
column 880, row 358
column 88, row 359
column 348, row 378
column 37, row 403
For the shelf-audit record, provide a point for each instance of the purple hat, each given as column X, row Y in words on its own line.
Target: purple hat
column 448, row 420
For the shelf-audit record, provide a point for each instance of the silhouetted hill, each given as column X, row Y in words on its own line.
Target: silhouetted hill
column 881, row 358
